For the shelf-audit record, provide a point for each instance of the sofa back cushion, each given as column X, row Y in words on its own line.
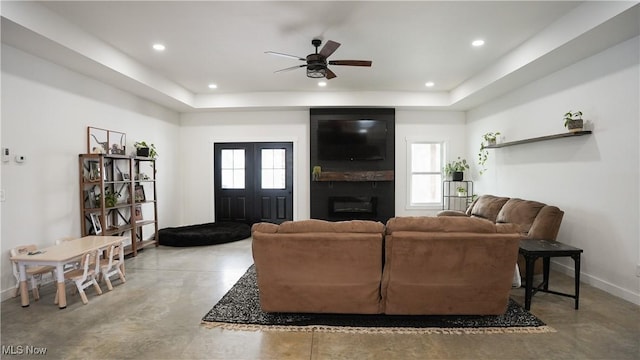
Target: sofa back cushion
column 520, row 212
column 442, row 224
column 320, row 226
column 488, row 207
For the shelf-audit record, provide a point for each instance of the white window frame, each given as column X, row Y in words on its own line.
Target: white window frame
column 423, row 206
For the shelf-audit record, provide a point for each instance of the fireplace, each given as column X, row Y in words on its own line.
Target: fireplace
column 352, row 181
column 353, row 207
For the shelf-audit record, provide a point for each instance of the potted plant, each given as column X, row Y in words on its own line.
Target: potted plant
column 456, row 169
column 145, row 150
column 487, row 139
column 573, row 121
column 110, row 198
column 461, row 191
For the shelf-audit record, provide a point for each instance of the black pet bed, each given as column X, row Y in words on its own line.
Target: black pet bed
column 204, row 234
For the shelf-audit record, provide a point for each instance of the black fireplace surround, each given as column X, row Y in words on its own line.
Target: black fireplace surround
column 352, row 197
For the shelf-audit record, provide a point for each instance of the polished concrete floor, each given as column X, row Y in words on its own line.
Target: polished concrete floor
column 156, row 315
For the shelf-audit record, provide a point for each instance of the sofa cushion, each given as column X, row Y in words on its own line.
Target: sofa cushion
column 488, row 207
column 440, row 224
column 316, row 225
column 264, row 227
column 521, row 212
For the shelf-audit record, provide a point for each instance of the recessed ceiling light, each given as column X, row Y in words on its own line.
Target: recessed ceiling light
column 158, row 47
column 477, row 43
column 429, row 84
column 213, row 86
column 322, row 83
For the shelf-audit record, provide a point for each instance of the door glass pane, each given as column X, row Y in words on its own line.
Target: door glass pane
column 273, row 169
column 267, row 179
column 279, row 179
column 267, row 159
column 226, row 159
column 238, row 158
column 238, row 179
column 232, row 168
column 227, row 179
column 279, row 159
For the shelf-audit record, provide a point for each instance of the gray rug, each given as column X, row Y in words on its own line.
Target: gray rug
column 239, row 309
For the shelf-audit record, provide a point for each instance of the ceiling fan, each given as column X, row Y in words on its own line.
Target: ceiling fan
column 317, row 63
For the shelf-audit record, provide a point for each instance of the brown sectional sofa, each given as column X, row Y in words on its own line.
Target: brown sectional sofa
column 416, row 265
column 535, row 220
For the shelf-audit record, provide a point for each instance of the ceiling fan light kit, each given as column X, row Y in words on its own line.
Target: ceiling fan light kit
column 316, row 63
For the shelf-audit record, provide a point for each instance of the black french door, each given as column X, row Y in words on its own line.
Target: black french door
column 253, row 182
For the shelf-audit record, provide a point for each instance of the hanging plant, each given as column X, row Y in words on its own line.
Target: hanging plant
column 487, row 139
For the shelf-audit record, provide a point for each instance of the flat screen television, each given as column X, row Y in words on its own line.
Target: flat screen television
column 362, row 139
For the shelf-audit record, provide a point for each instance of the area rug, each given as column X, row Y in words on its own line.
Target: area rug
column 239, row 309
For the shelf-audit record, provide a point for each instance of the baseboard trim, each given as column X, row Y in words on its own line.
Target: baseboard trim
column 598, row 283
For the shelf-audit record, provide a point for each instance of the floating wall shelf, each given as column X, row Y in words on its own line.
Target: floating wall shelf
column 541, row 138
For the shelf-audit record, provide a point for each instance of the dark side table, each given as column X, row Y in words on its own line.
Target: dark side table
column 532, row 249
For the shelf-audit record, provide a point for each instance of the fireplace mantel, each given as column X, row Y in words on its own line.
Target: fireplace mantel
column 385, row 175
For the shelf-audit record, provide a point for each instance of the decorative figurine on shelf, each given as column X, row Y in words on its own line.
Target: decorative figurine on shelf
column 317, row 170
column 117, row 149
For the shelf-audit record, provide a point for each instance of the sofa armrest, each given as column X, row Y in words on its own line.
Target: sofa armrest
column 547, row 224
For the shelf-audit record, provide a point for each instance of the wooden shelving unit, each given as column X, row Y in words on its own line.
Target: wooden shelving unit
column 541, row 138
column 385, row 175
column 135, row 211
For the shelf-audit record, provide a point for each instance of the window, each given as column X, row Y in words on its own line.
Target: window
column 273, row 169
column 232, row 168
column 425, row 178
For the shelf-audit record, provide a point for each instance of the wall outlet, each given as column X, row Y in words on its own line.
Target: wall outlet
column 2, row 198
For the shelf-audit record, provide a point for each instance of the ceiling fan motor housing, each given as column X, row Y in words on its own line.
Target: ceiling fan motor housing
column 316, row 66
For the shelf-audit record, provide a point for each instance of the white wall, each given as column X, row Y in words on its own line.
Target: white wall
column 417, row 125
column 594, row 178
column 200, row 131
column 46, row 110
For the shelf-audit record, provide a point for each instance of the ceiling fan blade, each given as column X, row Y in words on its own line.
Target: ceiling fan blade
column 329, row 48
column 285, row 55
column 329, row 74
column 350, row 62
column 290, row 68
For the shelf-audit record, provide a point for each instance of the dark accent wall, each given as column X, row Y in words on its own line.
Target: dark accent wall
column 382, row 192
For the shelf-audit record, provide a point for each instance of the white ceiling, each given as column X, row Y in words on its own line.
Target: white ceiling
column 223, row 42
